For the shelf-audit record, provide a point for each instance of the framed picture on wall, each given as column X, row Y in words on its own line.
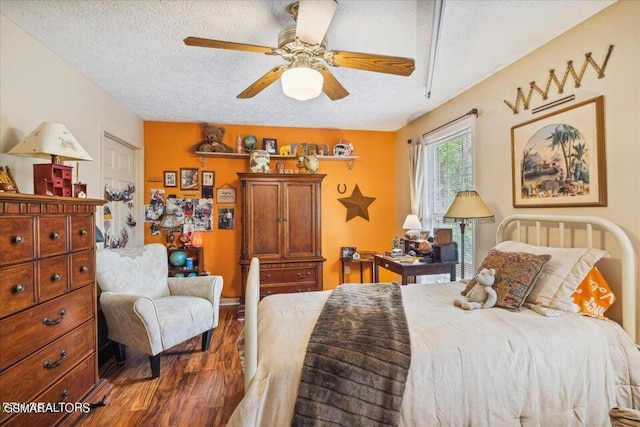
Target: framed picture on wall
column 189, row 179
column 170, row 179
column 208, row 178
column 558, row 160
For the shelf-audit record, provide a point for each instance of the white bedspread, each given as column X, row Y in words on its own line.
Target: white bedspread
column 481, row 368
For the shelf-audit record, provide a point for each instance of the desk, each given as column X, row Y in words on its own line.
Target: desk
column 410, row 271
column 361, row 262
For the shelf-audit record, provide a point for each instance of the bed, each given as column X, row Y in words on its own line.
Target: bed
column 490, row 367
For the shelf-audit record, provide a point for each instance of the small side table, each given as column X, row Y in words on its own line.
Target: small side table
column 365, row 259
column 410, row 271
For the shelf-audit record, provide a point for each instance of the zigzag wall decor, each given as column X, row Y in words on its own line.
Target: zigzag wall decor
column 577, row 78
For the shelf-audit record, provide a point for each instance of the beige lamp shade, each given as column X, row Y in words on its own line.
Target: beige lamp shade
column 467, row 206
column 51, row 140
column 412, row 222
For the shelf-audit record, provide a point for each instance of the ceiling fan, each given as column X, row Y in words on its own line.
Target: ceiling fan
column 304, row 47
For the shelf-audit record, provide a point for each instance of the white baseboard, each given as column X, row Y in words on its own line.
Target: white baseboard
column 229, row 301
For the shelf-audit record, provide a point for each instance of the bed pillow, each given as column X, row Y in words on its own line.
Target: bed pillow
column 515, row 275
column 593, row 295
column 560, row 276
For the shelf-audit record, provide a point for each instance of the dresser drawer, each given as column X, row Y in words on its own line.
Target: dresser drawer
column 82, row 229
column 52, row 235
column 31, row 329
column 16, row 239
column 17, row 288
column 287, row 289
column 53, row 277
column 82, row 269
column 40, row 370
column 70, row 390
column 288, row 275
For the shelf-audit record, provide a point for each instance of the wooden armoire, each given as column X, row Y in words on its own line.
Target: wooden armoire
column 281, row 225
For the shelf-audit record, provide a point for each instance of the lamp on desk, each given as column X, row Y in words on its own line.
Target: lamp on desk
column 413, row 226
column 467, row 208
column 51, row 140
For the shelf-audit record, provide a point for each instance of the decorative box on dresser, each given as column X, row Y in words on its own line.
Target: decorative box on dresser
column 48, row 307
column 281, row 225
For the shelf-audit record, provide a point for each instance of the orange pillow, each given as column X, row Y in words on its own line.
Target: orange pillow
column 594, row 295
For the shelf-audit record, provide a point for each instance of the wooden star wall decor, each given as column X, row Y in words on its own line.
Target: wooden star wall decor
column 357, row 204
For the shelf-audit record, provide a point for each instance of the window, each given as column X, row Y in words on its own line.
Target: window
column 448, row 169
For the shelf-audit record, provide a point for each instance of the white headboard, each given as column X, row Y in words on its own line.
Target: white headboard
column 514, row 224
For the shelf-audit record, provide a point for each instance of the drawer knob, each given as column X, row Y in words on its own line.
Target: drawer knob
column 84, row 269
column 18, row 288
column 299, row 290
column 17, row 239
column 83, row 232
column 65, row 394
column 51, row 365
column 50, row 322
column 55, row 235
column 304, row 275
column 267, row 277
column 55, row 277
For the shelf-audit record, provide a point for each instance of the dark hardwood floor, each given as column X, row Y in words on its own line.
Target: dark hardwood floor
column 194, row 388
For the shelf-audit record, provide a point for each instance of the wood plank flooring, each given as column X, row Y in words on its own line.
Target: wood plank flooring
column 194, row 388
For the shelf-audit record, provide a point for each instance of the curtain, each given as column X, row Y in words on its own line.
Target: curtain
column 416, row 177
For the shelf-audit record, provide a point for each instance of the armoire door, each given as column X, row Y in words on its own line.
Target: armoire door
column 264, row 219
column 301, row 225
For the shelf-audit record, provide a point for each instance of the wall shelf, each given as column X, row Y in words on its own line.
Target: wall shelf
column 204, row 154
column 273, row 156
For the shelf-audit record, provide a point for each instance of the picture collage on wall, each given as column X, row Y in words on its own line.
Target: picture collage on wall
column 186, row 213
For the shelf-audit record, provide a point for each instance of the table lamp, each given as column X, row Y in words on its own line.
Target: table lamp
column 413, row 226
column 467, row 208
column 51, row 140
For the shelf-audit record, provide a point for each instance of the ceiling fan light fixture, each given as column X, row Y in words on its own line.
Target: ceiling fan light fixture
column 302, row 83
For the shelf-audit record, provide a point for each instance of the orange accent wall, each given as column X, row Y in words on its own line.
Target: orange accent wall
column 167, row 148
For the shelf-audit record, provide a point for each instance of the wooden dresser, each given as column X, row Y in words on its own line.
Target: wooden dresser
column 48, row 307
column 281, row 225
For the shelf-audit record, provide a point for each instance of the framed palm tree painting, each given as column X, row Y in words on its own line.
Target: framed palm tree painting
column 558, row 160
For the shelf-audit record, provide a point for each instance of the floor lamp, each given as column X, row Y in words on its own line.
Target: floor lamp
column 467, row 208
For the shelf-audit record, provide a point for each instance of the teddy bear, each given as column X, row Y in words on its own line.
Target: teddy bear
column 212, row 140
column 481, row 295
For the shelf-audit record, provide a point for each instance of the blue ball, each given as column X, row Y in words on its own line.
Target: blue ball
column 179, row 275
column 178, row 258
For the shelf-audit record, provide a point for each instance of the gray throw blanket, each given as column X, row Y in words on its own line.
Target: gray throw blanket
column 357, row 359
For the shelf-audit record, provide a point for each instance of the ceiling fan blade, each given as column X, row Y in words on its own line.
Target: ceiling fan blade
column 331, row 86
column 262, row 83
column 371, row 62
column 219, row 44
column 314, row 17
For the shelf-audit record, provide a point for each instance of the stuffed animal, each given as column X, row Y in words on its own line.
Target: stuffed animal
column 482, row 295
column 212, row 140
column 285, row 150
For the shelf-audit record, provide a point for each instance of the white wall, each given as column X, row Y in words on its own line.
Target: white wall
column 37, row 86
column 619, row 25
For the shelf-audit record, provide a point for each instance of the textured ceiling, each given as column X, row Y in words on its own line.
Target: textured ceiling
column 134, row 51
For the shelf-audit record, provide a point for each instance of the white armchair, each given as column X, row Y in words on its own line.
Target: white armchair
column 149, row 311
